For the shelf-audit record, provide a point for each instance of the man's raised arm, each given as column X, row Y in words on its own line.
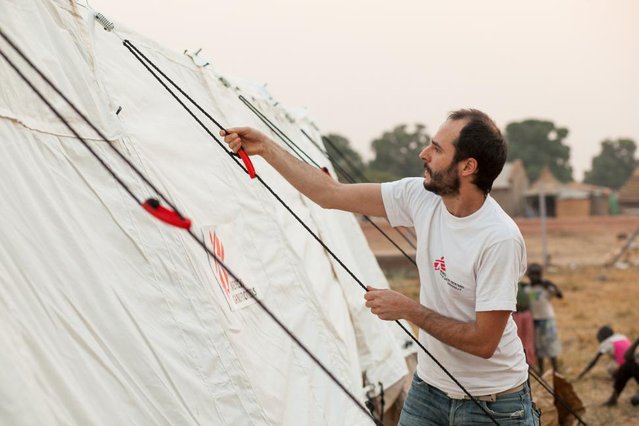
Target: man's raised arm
column 364, row 198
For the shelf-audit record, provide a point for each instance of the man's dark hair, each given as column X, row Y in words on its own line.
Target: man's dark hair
column 482, row 140
column 604, row 332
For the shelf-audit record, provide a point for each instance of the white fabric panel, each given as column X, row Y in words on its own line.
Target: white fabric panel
column 382, row 362
column 98, row 300
column 243, row 192
column 353, row 236
column 111, row 317
column 42, row 32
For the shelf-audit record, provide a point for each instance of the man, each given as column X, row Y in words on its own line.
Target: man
column 470, row 256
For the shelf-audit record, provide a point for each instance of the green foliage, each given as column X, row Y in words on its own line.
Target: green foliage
column 373, row 175
column 397, row 151
column 614, row 164
column 343, row 157
column 539, row 144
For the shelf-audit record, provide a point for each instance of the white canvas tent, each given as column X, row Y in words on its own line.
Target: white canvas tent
column 108, row 316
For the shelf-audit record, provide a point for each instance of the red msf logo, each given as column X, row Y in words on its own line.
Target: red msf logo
column 440, row 264
column 218, row 249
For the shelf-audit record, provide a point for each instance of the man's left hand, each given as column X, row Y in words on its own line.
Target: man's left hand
column 388, row 304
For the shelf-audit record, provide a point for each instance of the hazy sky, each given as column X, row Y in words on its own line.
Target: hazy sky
column 362, row 67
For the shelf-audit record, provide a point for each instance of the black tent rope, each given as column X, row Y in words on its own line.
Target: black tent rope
column 275, row 129
column 144, row 60
column 361, row 176
column 294, row 147
column 340, row 169
column 200, row 242
column 290, row 143
column 351, row 179
column 351, row 167
column 354, row 169
column 343, row 156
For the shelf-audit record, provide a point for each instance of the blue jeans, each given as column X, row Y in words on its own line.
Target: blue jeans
column 426, row 405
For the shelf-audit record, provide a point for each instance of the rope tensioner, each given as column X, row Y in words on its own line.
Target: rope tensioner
column 250, row 169
column 171, row 217
column 288, row 141
column 248, row 164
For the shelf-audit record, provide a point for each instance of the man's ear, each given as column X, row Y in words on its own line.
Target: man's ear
column 469, row 166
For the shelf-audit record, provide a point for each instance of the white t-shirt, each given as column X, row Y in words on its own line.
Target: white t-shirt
column 466, row 265
column 540, row 304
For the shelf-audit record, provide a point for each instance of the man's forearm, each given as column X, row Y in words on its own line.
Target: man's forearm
column 465, row 336
column 364, row 198
column 480, row 337
column 307, row 179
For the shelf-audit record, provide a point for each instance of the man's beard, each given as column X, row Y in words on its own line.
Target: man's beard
column 444, row 183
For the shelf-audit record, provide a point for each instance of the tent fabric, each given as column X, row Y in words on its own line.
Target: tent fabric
column 108, row 316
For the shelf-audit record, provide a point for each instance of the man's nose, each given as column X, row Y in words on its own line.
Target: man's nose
column 424, row 155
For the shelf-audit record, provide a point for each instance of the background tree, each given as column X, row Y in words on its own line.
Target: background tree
column 538, row 144
column 397, row 152
column 373, row 175
column 614, row 164
column 343, row 157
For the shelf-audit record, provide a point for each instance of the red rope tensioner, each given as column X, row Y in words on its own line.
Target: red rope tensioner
column 247, row 163
column 153, row 206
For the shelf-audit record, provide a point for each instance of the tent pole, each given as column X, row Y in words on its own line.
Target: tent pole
column 542, row 215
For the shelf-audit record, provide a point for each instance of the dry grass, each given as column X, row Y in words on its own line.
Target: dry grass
column 593, row 296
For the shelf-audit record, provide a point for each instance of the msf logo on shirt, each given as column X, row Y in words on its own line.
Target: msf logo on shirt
column 440, row 264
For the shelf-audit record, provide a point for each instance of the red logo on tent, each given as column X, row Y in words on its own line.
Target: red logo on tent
column 218, row 249
column 440, row 264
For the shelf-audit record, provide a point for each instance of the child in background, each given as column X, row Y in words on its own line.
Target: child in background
column 540, row 291
column 612, row 344
column 622, row 352
column 525, row 325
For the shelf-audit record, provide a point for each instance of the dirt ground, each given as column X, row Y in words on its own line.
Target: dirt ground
column 594, row 295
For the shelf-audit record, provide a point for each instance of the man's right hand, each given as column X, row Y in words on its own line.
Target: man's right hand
column 251, row 140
